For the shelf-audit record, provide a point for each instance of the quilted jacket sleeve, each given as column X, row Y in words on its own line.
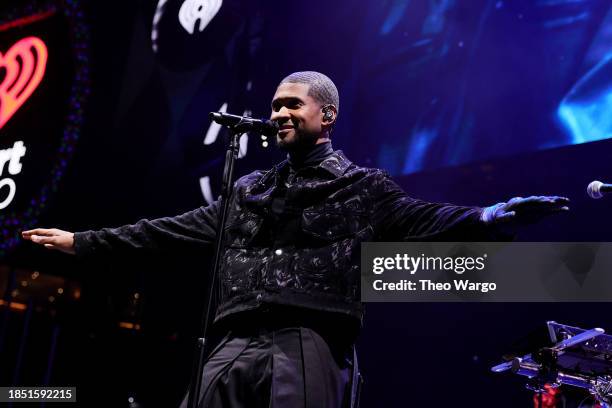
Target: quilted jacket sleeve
column 398, row 217
column 191, row 230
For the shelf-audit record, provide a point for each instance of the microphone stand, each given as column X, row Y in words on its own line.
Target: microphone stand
column 226, row 189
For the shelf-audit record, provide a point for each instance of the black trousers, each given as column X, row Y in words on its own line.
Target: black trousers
column 284, row 368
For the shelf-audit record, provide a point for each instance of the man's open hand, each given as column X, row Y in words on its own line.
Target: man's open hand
column 52, row 238
column 521, row 210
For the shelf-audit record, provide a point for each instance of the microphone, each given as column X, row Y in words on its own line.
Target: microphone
column 596, row 189
column 262, row 126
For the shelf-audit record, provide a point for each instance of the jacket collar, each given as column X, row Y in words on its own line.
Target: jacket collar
column 336, row 164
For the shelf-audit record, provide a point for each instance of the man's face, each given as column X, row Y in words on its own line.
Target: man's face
column 299, row 117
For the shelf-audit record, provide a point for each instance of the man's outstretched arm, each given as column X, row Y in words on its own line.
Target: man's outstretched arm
column 400, row 217
column 192, row 229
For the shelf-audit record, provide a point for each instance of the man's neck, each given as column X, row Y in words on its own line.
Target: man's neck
column 310, row 157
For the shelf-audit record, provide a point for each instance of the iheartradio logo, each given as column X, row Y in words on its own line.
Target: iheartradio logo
column 22, row 68
column 44, row 88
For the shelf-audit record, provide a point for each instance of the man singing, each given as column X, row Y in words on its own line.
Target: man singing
column 289, row 304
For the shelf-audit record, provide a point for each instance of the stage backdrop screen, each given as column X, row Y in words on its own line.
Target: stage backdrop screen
column 442, row 83
column 423, row 84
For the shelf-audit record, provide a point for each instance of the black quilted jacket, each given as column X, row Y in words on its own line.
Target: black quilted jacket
column 337, row 206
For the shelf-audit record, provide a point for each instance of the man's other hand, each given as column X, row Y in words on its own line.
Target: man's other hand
column 521, row 210
column 51, row 238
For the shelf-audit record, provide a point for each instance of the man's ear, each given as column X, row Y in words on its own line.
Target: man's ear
column 329, row 114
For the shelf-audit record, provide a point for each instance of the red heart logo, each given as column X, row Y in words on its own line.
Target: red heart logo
column 24, row 66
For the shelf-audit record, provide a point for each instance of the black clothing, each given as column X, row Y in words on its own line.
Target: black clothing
column 278, row 368
column 290, row 295
column 329, row 210
column 284, row 222
column 312, row 157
